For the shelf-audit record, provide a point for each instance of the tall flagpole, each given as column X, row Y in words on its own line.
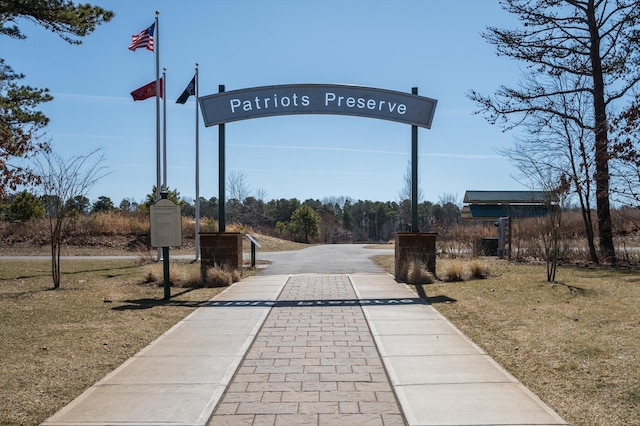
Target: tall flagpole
column 156, row 47
column 197, row 170
column 164, row 129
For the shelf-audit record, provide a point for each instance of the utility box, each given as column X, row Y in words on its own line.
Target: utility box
column 486, row 247
column 415, row 246
column 223, row 249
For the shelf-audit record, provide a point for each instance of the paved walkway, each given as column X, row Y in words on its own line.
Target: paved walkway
column 310, row 349
column 313, row 362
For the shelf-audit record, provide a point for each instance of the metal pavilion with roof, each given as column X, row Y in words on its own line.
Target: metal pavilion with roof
column 492, row 205
column 500, row 207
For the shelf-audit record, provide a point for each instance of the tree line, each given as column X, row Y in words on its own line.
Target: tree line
column 338, row 219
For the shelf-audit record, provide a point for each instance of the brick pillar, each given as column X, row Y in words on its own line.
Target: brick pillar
column 220, row 249
column 415, row 245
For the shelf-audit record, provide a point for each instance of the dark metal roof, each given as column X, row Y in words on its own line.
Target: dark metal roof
column 479, row 211
column 509, row 197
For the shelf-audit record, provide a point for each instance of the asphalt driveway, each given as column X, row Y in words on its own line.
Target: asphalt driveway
column 323, row 259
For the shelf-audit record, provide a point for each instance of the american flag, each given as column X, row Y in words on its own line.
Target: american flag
column 144, row 39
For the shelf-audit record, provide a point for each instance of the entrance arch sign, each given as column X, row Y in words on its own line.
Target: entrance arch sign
column 336, row 99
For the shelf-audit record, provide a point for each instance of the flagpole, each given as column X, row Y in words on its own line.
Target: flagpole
column 197, row 170
column 164, row 129
column 156, row 47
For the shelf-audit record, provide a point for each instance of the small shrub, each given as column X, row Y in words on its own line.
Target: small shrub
column 478, row 269
column 218, row 277
column 403, row 271
column 208, row 224
column 453, row 272
column 417, row 273
column 187, row 276
column 153, row 274
column 26, row 206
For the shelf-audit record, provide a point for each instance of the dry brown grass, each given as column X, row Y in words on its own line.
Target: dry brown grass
column 385, row 262
column 478, row 269
column 455, row 270
column 452, row 271
column 268, row 243
column 94, row 236
column 188, row 275
column 575, row 344
column 417, row 273
column 111, row 223
column 56, row 343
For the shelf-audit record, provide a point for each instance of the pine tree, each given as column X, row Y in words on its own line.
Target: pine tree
column 21, row 124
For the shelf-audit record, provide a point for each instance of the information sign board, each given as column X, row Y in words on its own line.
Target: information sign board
column 166, row 224
column 253, row 240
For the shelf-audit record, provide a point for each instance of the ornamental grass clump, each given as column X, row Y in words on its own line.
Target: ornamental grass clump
column 189, row 276
column 218, row 277
column 478, row 269
column 417, row 273
column 453, row 272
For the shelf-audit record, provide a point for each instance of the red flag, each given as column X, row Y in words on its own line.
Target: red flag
column 147, row 91
column 144, row 39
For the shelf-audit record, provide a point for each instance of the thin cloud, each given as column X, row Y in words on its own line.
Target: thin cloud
column 93, row 136
column 91, row 97
column 318, row 148
column 299, row 172
column 369, row 151
column 464, row 156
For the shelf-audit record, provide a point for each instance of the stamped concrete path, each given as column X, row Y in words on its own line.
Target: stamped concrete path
column 310, row 349
column 313, row 362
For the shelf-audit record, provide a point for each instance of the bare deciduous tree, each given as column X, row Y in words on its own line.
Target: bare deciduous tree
column 237, row 186
column 555, row 149
column 405, row 193
column 625, row 154
column 64, row 179
column 595, row 42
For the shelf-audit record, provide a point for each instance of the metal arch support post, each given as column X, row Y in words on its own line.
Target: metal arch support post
column 414, row 173
column 221, row 174
column 197, row 168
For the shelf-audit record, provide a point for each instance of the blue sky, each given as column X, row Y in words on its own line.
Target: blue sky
column 434, row 45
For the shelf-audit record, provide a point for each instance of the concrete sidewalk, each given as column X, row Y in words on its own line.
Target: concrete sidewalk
column 334, row 349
